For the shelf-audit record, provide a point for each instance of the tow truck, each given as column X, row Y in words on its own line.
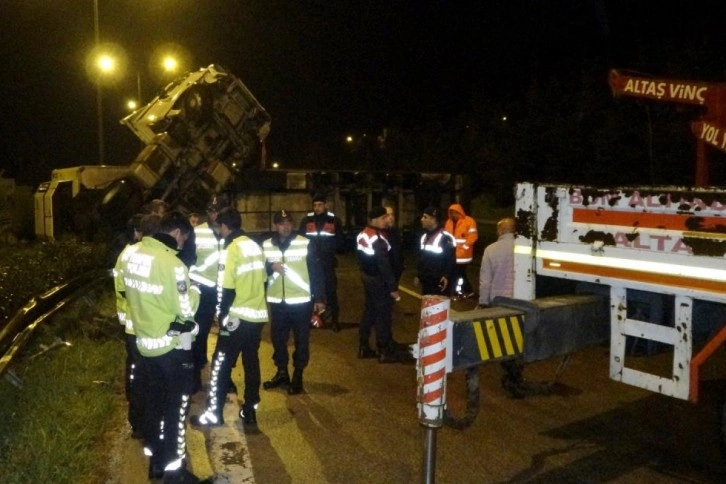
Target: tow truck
column 640, row 267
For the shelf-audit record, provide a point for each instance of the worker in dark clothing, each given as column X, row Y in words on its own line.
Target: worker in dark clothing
column 294, row 281
column 437, row 258
column 325, row 231
column 394, row 238
column 380, row 287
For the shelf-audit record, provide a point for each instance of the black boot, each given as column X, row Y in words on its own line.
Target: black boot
column 281, row 378
column 297, row 382
column 180, row 476
column 388, row 355
column 248, row 414
column 156, row 470
column 365, row 352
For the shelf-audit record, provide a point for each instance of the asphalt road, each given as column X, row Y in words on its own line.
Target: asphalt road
column 357, row 421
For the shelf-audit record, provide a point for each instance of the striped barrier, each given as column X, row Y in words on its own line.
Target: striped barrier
column 431, row 367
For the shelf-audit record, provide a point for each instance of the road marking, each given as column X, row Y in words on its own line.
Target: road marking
column 409, row 292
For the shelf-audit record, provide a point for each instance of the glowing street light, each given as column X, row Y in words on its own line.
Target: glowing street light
column 170, row 64
column 106, row 63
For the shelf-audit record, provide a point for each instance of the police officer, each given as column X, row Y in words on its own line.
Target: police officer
column 294, row 280
column 140, row 225
column 380, row 287
column 242, row 314
column 161, row 304
column 437, row 256
column 204, row 273
column 325, row 230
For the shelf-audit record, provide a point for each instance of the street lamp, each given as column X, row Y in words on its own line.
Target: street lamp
column 99, row 95
column 169, row 65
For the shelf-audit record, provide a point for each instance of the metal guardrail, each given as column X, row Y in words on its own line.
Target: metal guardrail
column 20, row 326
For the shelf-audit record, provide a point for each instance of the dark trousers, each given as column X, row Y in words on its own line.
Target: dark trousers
column 376, row 313
column 244, row 339
column 284, row 319
column 204, row 317
column 463, row 287
column 167, row 392
column 332, row 310
column 134, row 384
column 430, row 287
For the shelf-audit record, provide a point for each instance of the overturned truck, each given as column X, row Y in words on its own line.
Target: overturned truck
column 203, row 130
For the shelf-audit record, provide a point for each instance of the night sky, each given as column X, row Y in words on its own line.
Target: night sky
column 322, row 69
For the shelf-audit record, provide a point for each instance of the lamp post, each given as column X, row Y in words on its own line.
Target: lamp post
column 99, row 95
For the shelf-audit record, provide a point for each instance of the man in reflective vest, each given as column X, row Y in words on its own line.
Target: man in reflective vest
column 242, row 315
column 464, row 230
column 437, row 258
column 325, row 231
column 294, row 280
column 140, row 225
column 381, row 290
column 204, row 273
column 161, row 303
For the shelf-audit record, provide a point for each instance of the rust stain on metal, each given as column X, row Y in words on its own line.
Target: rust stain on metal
column 598, row 236
column 525, row 223
column 707, row 247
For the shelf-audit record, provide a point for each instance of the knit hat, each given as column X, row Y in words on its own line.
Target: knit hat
column 319, row 197
column 376, row 212
column 281, row 215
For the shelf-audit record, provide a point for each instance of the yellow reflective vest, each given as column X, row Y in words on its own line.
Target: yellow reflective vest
column 292, row 287
column 121, row 306
column 158, row 292
column 243, row 269
column 209, row 248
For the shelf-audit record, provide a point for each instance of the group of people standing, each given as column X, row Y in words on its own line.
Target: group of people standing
column 168, row 298
column 174, row 280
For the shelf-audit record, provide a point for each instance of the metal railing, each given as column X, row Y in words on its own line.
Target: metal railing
column 19, row 327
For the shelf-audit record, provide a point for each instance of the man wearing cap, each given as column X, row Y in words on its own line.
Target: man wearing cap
column 294, row 280
column 325, row 231
column 204, row 273
column 380, row 287
column 242, row 315
column 437, row 259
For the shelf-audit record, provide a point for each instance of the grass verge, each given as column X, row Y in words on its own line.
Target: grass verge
column 53, row 428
